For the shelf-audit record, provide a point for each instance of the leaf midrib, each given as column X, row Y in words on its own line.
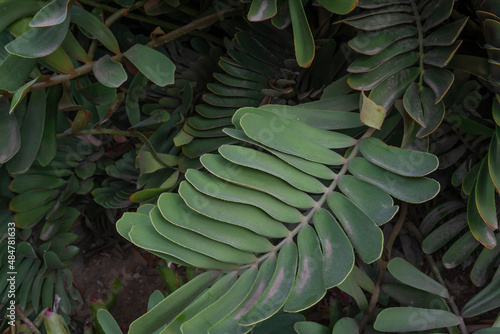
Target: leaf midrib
column 307, row 218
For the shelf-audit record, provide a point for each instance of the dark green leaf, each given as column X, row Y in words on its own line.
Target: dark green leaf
column 109, row 73
column 39, row 42
column 153, row 64
column 303, row 38
column 10, row 140
column 406, row 319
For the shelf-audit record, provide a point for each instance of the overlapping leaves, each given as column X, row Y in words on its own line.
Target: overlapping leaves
column 404, row 48
column 242, row 216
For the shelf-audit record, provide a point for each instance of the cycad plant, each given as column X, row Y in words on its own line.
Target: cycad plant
column 288, row 152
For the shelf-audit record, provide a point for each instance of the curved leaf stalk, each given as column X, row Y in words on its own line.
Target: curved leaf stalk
column 413, row 229
column 416, row 13
column 306, row 219
column 382, row 263
column 84, row 69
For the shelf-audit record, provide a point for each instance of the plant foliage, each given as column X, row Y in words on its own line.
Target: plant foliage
column 284, row 152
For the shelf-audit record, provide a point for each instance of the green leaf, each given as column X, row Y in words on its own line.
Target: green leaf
column 20, row 93
column 407, row 295
column 48, row 146
column 95, row 27
column 389, row 90
column 278, row 136
column 39, row 42
column 109, row 73
column 485, row 263
column 307, row 289
column 302, row 35
column 276, row 293
column 25, row 183
column 279, row 123
column 409, row 189
column 446, row 35
column 309, row 327
column 243, row 73
column 440, row 56
column 267, row 163
column 74, row 49
column 199, row 146
column 207, row 299
column 346, row 325
column 257, row 180
column 371, row 114
column 381, row 21
column 436, row 12
column 52, row 14
column 149, row 164
column 107, row 323
column 10, row 140
column 318, row 118
column 365, row 63
column 494, row 159
column 460, row 250
column 306, row 166
column 400, row 161
column 411, row 276
column 477, row 226
column 261, row 10
column 485, row 195
column 215, row 187
column 54, row 323
column 341, row 7
column 278, row 323
column 30, row 199
column 177, row 212
column 229, row 324
column 484, row 301
column 440, row 81
column 11, row 11
column 367, row 81
column 204, row 320
column 148, row 238
column 133, row 95
column 14, row 71
column 406, row 319
column 338, row 255
column 373, row 42
column 171, row 306
column 98, row 93
column 469, row 179
column 237, row 214
column 433, row 112
column 375, row 202
column 444, row 233
column 352, row 288
column 153, row 64
column 362, row 231
column 198, row 242
column 146, row 195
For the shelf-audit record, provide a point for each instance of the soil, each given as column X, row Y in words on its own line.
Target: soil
column 95, row 274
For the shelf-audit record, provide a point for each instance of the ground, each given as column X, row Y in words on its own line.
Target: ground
column 94, row 276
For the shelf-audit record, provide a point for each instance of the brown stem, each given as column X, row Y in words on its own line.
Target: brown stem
column 204, row 21
column 382, row 265
column 154, row 21
column 84, row 69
